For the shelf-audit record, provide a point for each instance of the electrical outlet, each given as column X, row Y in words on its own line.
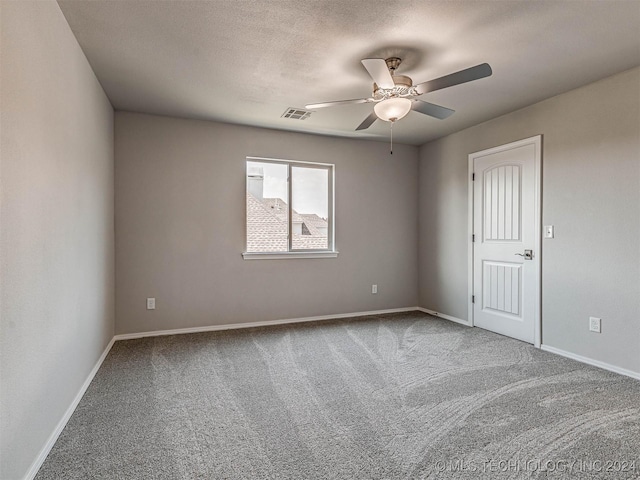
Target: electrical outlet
column 594, row 324
column 151, row 303
column 374, row 289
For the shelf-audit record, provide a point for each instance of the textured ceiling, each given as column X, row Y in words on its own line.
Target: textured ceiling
column 246, row 61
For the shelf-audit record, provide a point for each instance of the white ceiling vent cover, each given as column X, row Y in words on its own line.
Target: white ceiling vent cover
column 296, row 113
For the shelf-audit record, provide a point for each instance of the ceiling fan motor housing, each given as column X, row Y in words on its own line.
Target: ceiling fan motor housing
column 403, row 88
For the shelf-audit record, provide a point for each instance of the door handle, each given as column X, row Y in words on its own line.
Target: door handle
column 528, row 254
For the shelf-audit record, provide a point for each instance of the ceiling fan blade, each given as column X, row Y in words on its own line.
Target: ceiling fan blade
column 431, row 109
column 368, row 121
column 312, row 106
column 463, row 76
column 379, row 71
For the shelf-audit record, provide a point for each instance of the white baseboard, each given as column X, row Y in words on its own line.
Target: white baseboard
column 590, row 361
column 446, row 317
column 232, row 326
column 37, row 463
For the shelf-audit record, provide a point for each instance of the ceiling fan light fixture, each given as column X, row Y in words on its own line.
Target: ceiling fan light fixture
column 392, row 109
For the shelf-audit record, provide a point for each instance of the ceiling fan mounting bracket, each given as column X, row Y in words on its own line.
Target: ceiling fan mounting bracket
column 393, row 63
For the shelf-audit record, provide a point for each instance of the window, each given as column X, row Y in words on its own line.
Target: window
column 289, row 209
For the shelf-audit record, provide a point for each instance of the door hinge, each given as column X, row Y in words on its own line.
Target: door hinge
column 473, row 237
column 473, row 177
column 473, row 299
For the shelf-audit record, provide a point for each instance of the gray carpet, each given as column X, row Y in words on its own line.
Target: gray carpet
column 393, row 396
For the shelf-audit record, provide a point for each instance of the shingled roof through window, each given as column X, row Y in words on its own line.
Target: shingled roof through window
column 267, row 227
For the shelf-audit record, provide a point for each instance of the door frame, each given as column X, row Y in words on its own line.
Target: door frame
column 536, row 141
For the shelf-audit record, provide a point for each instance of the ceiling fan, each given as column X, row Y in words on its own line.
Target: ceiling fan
column 394, row 95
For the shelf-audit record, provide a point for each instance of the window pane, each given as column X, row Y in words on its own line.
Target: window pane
column 310, row 203
column 267, row 209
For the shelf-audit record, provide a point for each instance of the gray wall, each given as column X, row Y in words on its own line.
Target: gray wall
column 591, row 193
column 180, row 227
column 56, row 228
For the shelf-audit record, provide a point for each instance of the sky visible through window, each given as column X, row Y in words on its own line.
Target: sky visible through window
column 309, row 188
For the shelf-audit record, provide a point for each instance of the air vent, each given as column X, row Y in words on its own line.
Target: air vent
column 296, row 113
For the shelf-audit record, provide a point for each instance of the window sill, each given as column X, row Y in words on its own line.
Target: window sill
column 287, row 255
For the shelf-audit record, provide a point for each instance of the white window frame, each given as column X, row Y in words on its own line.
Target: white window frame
column 330, row 251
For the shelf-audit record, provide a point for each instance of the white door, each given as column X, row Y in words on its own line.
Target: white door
column 506, row 239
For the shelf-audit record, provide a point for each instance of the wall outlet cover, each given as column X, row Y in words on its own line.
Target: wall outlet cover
column 151, row 303
column 594, row 324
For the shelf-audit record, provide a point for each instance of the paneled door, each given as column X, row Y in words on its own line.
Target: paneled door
column 506, row 239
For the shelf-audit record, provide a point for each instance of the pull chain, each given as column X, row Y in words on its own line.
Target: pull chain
column 391, row 148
